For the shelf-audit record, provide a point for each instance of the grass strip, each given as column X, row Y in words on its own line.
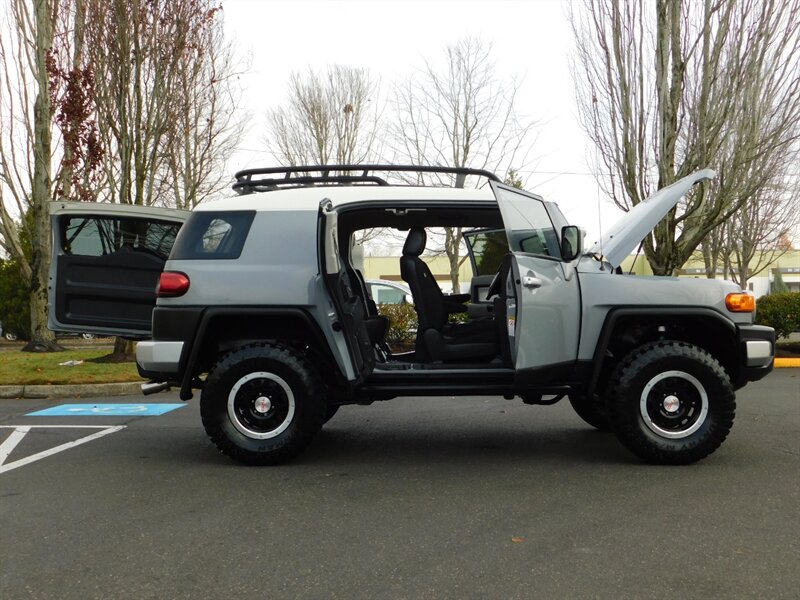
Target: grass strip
column 39, row 368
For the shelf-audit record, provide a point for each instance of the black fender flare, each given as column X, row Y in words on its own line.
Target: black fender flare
column 615, row 314
column 189, row 360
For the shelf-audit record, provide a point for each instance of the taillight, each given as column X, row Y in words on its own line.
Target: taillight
column 172, row 284
column 740, row 302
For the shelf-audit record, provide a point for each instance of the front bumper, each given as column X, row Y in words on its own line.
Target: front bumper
column 756, row 352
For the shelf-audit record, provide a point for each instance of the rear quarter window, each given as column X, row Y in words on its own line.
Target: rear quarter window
column 213, row 235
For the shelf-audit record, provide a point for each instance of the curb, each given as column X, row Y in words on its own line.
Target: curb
column 76, row 391
column 787, row 362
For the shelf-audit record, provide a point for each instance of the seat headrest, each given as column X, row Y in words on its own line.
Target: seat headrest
column 415, row 242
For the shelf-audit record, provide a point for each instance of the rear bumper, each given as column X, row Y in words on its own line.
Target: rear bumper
column 756, row 352
column 159, row 360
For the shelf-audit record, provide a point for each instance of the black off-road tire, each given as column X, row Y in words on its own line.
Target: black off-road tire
column 592, row 411
column 655, row 401
column 262, row 404
column 330, row 410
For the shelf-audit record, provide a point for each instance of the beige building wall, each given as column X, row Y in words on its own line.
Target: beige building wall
column 388, row 267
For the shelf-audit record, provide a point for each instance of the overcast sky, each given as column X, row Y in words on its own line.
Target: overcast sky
column 531, row 40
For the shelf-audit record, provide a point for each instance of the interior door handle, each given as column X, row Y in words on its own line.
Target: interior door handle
column 531, row 282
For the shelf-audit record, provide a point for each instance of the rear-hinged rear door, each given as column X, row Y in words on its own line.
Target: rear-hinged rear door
column 106, row 263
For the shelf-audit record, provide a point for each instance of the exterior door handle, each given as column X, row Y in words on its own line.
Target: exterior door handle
column 532, row 282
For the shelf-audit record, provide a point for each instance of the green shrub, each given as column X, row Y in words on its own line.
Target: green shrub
column 402, row 324
column 779, row 311
column 15, row 309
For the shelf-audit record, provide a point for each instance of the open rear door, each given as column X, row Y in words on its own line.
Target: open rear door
column 106, row 263
column 351, row 318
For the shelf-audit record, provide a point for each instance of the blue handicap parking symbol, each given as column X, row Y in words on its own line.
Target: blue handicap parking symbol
column 105, row 410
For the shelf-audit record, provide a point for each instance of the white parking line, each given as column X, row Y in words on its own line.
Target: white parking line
column 20, row 431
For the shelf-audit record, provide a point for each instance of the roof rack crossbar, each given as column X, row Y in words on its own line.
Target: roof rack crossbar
column 268, row 184
column 246, row 183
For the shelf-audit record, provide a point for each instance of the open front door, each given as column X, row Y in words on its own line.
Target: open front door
column 106, row 263
column 543, row 305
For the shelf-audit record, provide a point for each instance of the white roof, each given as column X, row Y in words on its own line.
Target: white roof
column 308, row 198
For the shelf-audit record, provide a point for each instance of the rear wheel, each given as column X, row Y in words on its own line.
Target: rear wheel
column 671, row 403
column 262, row 404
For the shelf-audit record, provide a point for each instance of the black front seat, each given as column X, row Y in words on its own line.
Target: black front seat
column 438, row 340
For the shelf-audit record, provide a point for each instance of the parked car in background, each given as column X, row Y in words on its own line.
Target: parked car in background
column 7, row 333
column 383, row 291
column 12, row 336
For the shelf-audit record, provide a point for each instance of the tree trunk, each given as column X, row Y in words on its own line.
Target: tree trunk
column 42, row 339
column 452, row 238
column 124, row 351
column 709, row 260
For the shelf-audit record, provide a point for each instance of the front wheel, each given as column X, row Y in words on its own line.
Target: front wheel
column 11, row 337
column 671, row 402
column 262, row 404
column 591, row 411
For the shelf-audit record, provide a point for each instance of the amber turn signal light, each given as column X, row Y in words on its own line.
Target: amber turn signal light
column 740, row 302
column 171, row 284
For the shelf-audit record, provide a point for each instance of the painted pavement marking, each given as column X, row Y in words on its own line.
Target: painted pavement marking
column 101, row 410
column 20, row 431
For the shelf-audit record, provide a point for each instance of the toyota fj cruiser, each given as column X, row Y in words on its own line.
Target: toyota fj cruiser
column 256, row 301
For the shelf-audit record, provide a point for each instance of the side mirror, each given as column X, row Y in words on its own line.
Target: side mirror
column 571, row 243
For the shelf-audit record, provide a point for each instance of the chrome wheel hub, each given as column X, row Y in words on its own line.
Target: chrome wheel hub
column 673, row 404
column 262, row 405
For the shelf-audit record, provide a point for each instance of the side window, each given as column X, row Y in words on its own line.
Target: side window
column 488, row 249
column 100, row 236
column 213, row 235
column 528, row 225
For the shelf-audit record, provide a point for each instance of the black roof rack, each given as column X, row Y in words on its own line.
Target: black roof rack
column 273, row 178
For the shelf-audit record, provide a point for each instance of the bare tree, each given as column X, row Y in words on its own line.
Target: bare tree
column 669, row 87
column 207, row 127
column 164, row 95
column 755, row 236
column 460, row 115
column 164, row 82
column 330, row 117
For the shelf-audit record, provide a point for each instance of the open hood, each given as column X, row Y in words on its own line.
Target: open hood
column 620, row 240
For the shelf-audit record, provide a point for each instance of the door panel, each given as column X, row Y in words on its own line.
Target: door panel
column 351, row 311
column 106, row 262
column 544, row 314
column 547, row 313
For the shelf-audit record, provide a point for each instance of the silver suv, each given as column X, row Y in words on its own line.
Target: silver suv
column 256, row 301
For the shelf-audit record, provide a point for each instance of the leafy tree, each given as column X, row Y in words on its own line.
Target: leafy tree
column 778, row 285
column 513, row 179
column 15, row 308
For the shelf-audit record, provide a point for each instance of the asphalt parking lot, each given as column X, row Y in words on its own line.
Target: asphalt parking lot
column 414, row 498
